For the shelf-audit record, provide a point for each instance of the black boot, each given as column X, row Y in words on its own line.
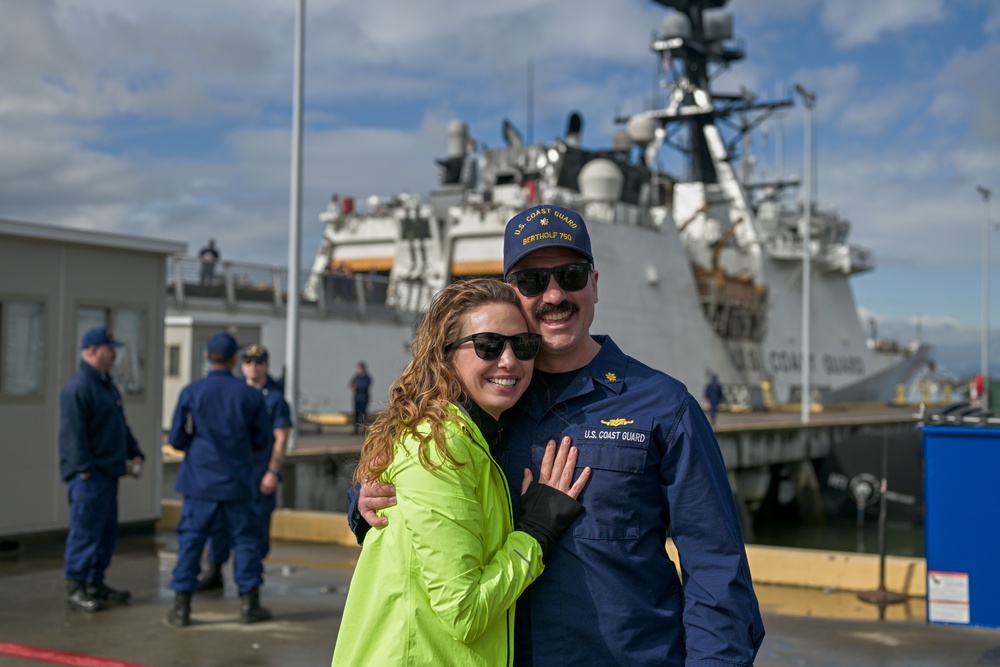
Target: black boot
column 211, row 579
column 180, row 615
column 78, row 599
column 106, row 594
column 250, row 609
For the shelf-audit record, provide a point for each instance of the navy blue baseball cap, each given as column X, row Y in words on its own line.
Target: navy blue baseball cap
column 544, row 227
column 223, row 346
column 98, row 336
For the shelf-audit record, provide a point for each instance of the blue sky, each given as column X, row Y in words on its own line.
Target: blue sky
column 173, row 120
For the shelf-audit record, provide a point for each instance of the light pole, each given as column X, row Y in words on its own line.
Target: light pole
column 984, row 360
column 295, row 230
column 809, row 101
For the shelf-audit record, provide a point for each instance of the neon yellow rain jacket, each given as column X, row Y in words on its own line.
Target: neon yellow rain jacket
column 437, row 586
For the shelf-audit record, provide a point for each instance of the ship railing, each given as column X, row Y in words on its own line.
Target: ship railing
column 242, row 284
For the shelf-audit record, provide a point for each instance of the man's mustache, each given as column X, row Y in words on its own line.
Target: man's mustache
column 546, row 308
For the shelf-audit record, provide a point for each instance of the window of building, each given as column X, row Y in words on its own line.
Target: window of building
column 173, row 361
column 127, row 325
column 22, row 336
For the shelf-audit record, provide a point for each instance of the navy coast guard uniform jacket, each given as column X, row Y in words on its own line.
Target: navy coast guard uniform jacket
column 93, row 434
column 279, row 415
column 219, row 422
column 610, row 594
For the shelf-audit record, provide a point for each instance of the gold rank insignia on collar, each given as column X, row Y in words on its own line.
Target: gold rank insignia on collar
column 610, row 377
column 617, row 422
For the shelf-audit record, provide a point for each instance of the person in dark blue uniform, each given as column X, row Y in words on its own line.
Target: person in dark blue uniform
column 360, row 384
column 267, row 467
column 219, row 423
column 96, row 447
column 713, row 394
column 209, row 256
column 611, row 594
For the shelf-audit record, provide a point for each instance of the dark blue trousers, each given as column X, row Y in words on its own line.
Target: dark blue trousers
column 219, row 543
column 93, row 527
column 360, row 408
column 239, row 520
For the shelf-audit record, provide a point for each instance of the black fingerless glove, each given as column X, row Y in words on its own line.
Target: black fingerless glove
column 545, row 513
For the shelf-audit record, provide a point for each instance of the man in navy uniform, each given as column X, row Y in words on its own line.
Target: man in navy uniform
column 713, row 392
column 610, row 594
column 209, row 256
column 267, row 467
column 360, row 384
column 219, row 423
column 96, row 447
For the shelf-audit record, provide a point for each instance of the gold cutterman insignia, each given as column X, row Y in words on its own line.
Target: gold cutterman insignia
column 611, row 377
column 543, row 222
column 617, row 422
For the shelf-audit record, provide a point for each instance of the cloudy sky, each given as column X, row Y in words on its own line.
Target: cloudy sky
column 172, row 120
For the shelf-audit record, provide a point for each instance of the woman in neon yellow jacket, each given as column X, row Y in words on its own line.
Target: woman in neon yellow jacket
column 437, row 586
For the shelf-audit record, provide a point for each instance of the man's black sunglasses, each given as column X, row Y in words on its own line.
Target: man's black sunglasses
column 570, row 277
column 489, row 346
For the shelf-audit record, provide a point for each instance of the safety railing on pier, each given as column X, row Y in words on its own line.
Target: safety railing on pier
column 240, row 284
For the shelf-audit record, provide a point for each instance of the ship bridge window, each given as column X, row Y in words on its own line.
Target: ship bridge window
column 127, row 325
column 22, row 348
column 415, row 228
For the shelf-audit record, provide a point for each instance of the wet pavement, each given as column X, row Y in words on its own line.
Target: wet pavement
column 306, row 586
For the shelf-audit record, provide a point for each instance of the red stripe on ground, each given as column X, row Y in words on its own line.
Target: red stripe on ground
column 60, row 657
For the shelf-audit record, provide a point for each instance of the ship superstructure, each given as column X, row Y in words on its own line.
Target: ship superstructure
column 701, row 272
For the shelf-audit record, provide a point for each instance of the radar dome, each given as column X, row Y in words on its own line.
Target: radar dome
column 601, row 180
column 641, row 129
column 675, row 25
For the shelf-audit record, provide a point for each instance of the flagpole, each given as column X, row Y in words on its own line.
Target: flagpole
column 295, row 231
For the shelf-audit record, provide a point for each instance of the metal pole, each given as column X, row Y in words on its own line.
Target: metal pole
column 531, row 101
column 295, row 231
column 808, row 100
column 883, row 488
column 881, row 596
column 984, row 359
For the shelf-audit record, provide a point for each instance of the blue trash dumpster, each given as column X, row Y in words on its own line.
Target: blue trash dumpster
column 962, row 524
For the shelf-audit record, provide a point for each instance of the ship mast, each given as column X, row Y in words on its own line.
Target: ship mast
column 699, row 41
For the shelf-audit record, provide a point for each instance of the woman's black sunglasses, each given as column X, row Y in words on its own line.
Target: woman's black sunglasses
column 570, row 277
column 489, row 346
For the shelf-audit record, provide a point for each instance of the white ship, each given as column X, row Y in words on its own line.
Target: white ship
column 700, row 272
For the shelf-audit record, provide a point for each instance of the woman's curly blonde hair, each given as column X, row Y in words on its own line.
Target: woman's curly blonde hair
column 429, row 384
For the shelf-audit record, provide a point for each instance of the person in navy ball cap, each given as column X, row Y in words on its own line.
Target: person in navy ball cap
column 267, row 466
column 220, row 423
column 657, row 467
column 96, row 447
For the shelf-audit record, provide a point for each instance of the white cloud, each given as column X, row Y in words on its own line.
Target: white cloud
column 857, row 22
column 88, row 87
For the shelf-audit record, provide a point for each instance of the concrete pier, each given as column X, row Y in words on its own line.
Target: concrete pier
column 306, row 586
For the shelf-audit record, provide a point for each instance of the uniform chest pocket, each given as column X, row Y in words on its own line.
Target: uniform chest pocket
column 618, row 489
